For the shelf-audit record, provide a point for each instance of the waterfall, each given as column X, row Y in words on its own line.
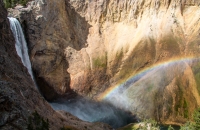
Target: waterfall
column 20, row 44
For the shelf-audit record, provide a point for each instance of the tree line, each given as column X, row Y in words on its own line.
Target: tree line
column 13, row 3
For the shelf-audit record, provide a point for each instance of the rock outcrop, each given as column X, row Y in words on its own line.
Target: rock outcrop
column 19, row 98
column 88, row 46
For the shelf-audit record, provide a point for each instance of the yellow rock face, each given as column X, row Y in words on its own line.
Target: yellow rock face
column 89, row 46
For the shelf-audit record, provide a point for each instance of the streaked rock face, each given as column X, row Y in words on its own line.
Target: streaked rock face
column 19, row 97
column 88, row 46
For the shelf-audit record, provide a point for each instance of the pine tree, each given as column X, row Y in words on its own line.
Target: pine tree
column 13, row 3
column 195, row 125
column 7, row 3
column 196, row 118
column 23, row 2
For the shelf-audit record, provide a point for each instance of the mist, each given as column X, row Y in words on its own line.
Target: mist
column 92, row 111
column 138, row 93
column 135, row 95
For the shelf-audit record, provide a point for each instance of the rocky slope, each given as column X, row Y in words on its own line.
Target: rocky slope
column 19, row 98
column 89, row 46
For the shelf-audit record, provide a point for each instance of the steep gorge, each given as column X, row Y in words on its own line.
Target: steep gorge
column 20, row 101
column 93, row 47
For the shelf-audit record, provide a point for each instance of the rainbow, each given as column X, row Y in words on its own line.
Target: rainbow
column 141, row 73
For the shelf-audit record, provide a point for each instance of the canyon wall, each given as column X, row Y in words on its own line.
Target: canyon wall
column 19, row 97
column 88, row 46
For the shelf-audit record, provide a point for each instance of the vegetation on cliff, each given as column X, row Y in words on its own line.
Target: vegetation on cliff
column 195, row 125
column 153, row 125
column 36, row 122
column 13, row 3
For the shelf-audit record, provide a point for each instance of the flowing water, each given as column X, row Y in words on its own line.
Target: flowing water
column 20, row 44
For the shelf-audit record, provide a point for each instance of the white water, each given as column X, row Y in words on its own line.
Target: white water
column 20, row 44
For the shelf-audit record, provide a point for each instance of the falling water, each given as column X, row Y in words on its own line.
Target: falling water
column 20, row 44
column 84, row 109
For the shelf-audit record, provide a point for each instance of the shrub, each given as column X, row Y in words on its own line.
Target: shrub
column 36, row 122
column 170, row 128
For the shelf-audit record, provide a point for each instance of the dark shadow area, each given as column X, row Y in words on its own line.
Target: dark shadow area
column 46, row 88
column 79, row 28
column 165, row 127
column 49, row 59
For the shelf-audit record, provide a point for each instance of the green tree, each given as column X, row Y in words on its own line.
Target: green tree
column 13, row 3
column 196, row 118
column 7, row 3
column 23, row 2
column 188, row 126
column 195, row 125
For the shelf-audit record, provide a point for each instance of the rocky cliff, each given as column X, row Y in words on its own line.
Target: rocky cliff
column 89, row 46
column 20, row 101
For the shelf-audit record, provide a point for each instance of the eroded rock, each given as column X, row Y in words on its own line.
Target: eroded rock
column 88, row 46
column 19, row 98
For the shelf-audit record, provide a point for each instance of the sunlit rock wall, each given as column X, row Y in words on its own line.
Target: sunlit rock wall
column 88, row 46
